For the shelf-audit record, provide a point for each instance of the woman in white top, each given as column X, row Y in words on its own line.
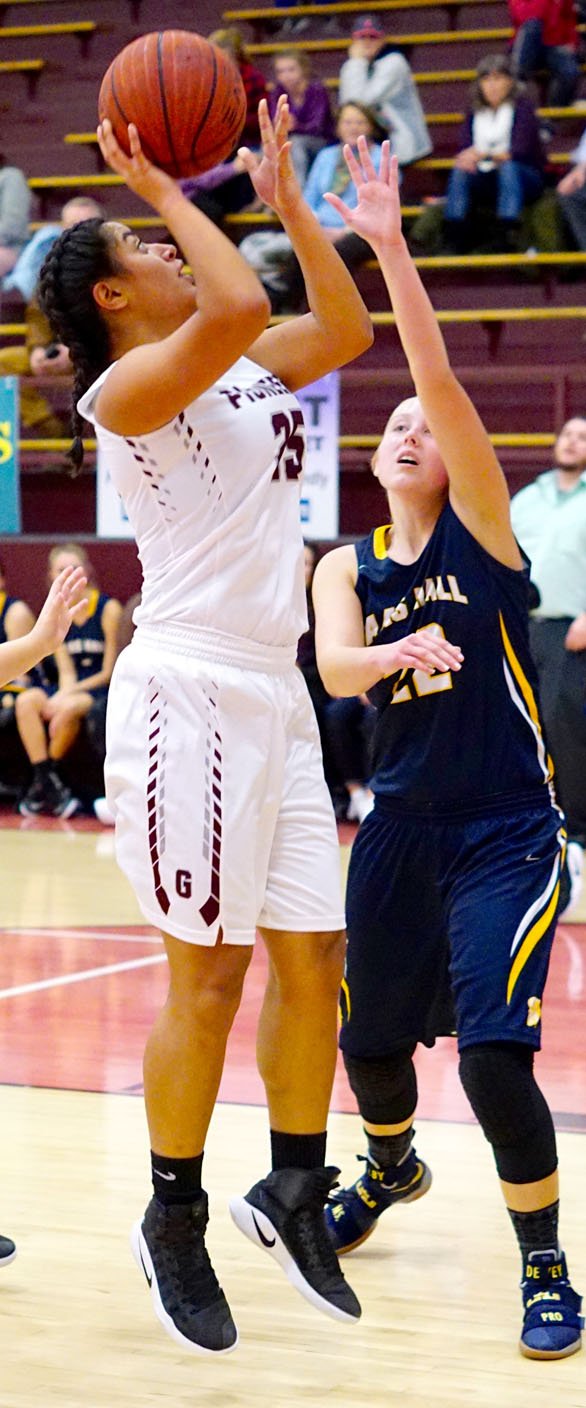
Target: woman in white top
column 500, row 167
column 213, row 768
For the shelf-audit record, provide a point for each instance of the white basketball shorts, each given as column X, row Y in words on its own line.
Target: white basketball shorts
column 214, row 775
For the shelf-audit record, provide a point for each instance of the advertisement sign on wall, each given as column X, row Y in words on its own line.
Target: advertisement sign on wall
column 9, row 460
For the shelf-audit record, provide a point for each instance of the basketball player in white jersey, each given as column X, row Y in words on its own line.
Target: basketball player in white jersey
column 214, row 773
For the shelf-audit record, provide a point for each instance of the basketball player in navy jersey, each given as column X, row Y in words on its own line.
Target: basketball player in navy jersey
column 213, row 768
column 17, row 656
column 457, row 868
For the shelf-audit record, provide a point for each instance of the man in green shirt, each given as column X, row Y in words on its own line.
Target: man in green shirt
column 549, row 521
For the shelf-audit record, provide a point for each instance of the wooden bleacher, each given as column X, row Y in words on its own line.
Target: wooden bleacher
column 404, row 41
column 30, row 69
column 83, row 29
column 345, row 7
column 514, row 324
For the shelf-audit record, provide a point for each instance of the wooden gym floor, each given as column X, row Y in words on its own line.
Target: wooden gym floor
column 81, row 977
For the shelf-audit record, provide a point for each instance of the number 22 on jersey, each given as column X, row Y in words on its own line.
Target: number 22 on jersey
column 422, row 682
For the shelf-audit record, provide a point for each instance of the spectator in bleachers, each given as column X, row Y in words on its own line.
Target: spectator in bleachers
column 549, row 521
column 270, row 251
column 41, row 356
column 546, row 37
column 311, row 122
column 49, row 716
column 23, row 276
column 378, row 75
column 500, row 168
column 223, row 190
column 15, row 204
column 231, row 41
column 571, row 192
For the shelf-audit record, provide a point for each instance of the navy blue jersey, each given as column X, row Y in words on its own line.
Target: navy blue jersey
column 86, row 643
column 5, row 603
column 467, row 740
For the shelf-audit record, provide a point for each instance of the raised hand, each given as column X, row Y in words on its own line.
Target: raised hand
column 377, row 216
column 272, row 174
column 139, row 174
column 56, row 615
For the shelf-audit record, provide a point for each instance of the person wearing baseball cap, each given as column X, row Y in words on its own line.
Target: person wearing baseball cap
column 378, row 75
column 367, row 27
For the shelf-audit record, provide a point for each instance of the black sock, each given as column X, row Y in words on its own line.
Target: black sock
column 297, row 1150
column 536, row 1231
column 41, row 770
column 389, row 1150
column 176, row 1180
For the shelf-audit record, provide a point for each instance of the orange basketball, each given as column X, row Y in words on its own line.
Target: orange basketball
column 185, row 96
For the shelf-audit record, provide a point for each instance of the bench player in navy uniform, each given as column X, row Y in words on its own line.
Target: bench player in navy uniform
column 19, row 654
column 457, row 868
column 49, row 717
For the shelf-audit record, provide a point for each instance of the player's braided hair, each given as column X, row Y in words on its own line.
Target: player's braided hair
column 78, row 258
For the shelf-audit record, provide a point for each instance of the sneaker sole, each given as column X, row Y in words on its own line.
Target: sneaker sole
column 419, row 1192
column 529, row 1353
column 143, row 1260
column 6, row 1260
column 249, row 1220
column 69, row 809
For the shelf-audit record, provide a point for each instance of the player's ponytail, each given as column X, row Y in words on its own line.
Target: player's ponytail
column 80, row 256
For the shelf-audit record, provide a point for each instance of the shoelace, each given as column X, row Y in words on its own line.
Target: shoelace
column 311, row 1232
column 347, row 1195
column 185, row 1260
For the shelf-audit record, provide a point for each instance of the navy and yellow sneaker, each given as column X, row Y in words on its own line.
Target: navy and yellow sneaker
column 352, row 1214
column 552, row 1323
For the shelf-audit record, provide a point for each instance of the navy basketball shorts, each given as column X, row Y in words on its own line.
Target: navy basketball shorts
column 432, row 905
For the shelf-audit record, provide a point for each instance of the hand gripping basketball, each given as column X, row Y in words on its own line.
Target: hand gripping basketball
column 136, row 170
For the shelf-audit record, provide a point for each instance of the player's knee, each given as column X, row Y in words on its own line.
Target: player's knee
column 330, row 952
column 210, row 989
column 29, row 702
column 321, row 963
column 385, row 1087
column 515, row 1118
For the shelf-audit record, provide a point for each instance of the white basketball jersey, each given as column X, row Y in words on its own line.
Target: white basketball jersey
column 213, row 502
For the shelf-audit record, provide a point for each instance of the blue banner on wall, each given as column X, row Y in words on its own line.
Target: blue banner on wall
column 9, row 461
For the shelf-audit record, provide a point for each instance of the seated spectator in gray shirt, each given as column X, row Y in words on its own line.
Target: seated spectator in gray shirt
column 378, row 76
column 15, row 204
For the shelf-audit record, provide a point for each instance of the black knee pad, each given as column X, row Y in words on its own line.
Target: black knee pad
column 385, row 1087
column 515, row 1118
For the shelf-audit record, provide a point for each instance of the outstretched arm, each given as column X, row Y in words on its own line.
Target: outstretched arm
column 338, row 327
column 478, row 489
column 19, row 656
